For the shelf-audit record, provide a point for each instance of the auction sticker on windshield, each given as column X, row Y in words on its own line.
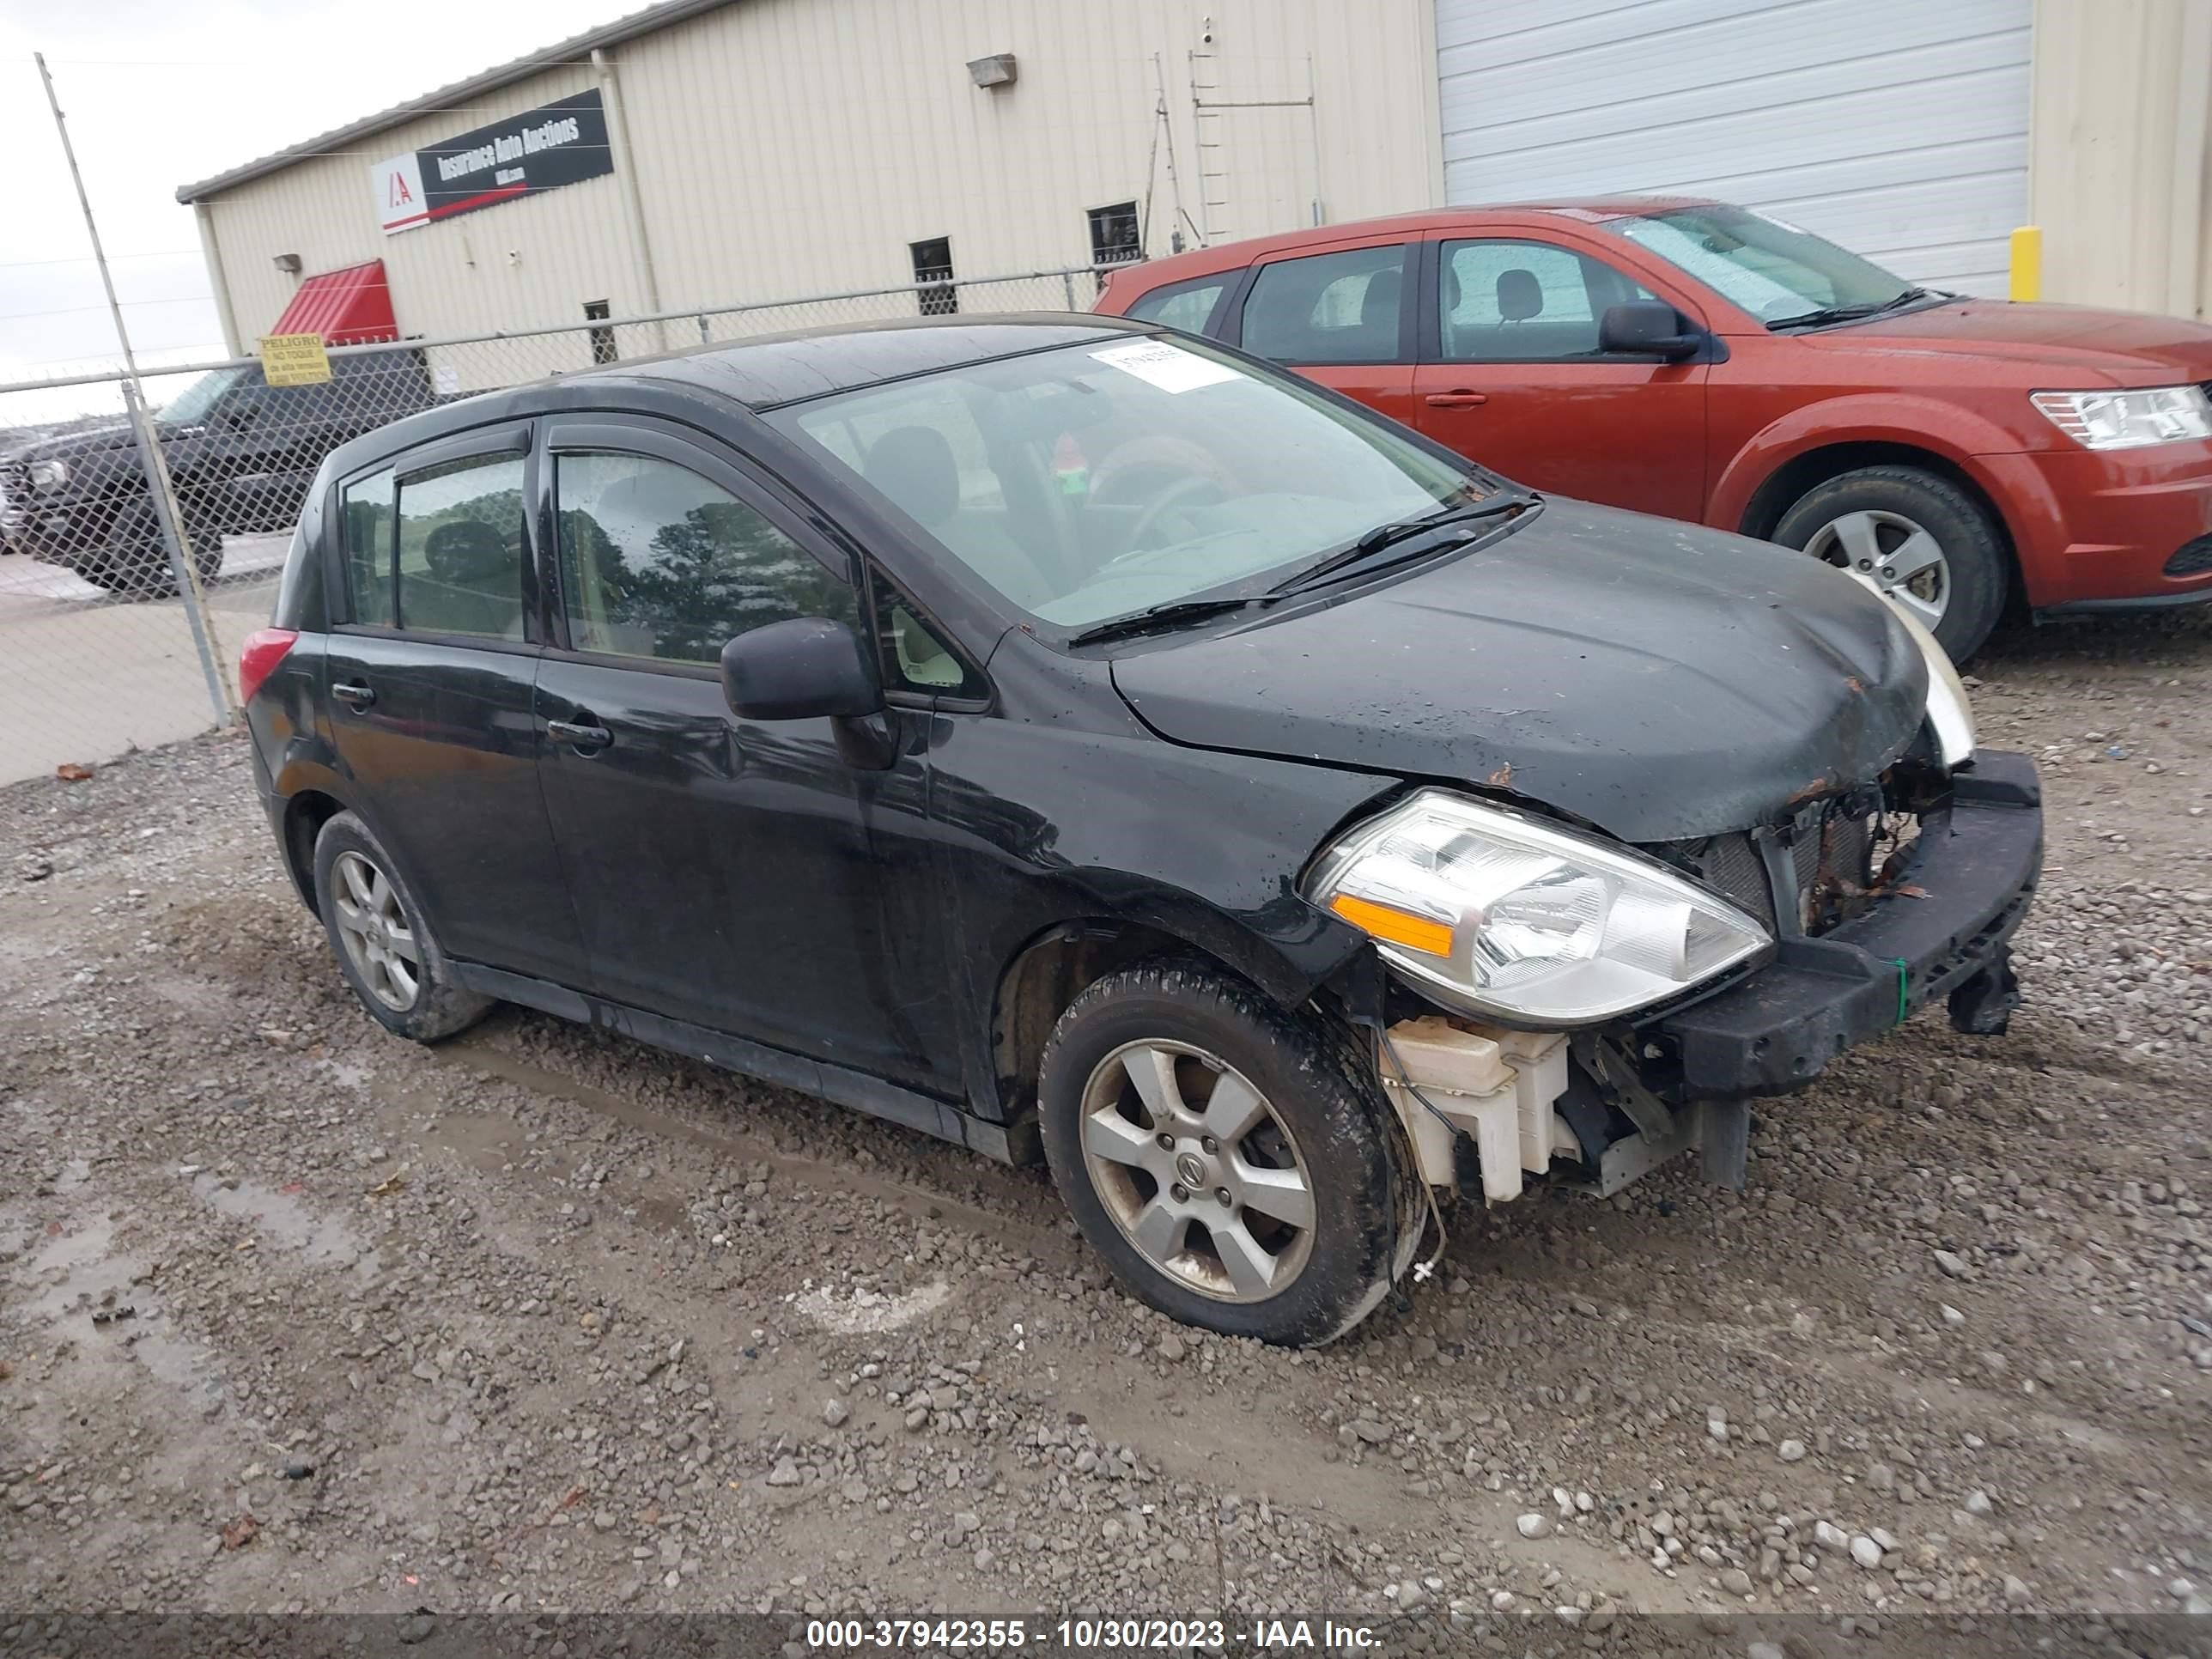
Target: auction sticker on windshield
column 1167, row 367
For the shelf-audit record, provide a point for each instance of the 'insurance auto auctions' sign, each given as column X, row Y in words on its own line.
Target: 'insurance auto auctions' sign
column 540, row 149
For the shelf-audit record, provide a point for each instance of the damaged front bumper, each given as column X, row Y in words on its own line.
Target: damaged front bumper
column 1487, row 1106
column 1944, row 931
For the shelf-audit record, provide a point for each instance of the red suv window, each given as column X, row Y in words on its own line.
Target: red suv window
column 1187, row 306
column 1515, row 301
column 1328, row 307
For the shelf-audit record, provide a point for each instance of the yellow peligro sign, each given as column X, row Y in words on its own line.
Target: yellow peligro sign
column 294, row 359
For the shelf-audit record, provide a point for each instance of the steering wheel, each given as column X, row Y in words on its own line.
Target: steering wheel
column 1174, row 495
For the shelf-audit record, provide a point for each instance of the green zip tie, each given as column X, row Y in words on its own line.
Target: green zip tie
column 1903, row 975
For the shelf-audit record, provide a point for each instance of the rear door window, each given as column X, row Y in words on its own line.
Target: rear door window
column 463, row 546
column 1328, row 307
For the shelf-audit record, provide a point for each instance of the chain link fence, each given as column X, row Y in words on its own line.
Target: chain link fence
column 129, row 571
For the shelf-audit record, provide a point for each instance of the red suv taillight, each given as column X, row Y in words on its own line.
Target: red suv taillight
column 263, row 650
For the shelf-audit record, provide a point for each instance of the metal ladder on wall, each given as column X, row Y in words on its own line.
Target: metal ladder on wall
column 1210, row 114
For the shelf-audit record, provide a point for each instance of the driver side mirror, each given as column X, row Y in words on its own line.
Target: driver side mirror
column 1646, row 328
column 806, row 668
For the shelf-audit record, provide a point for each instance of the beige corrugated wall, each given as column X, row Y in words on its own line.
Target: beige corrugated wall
column 2118, row 172
column 535, row 260
column 788, row 147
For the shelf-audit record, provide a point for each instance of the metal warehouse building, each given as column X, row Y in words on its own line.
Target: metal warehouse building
column 706, row 153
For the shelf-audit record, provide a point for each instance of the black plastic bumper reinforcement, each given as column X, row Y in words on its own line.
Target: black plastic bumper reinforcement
column 1974, row 872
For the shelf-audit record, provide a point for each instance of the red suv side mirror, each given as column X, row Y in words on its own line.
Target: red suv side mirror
column 1646, row 328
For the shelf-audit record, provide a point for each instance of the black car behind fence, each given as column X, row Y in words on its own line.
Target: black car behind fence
column 240, row 455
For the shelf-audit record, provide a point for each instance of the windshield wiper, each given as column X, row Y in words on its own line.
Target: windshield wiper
column 1849, row 314
column 1385, row 536
column 1163, row 616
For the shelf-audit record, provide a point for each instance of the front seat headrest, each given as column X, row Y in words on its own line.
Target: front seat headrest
column 913, row 467
column 1520, row 295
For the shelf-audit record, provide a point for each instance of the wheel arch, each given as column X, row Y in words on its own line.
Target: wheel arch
column 305, row 813
column 311, row 803
column 1048, row 969
column 1809, row 469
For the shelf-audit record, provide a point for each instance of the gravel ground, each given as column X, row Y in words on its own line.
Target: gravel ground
column 297, row 1315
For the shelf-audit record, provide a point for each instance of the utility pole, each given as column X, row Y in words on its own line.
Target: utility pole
column 149, row 446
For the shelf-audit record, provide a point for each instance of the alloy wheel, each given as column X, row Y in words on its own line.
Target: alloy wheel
column 1197, row 1170
column 377, row 940
column 1896, row 554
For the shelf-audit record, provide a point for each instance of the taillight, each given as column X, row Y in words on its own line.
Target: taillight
column 263, row 650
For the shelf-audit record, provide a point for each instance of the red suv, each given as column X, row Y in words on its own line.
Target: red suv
column 1707, row 362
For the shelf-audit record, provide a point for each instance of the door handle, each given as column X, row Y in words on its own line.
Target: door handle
column 353, row 693
column 1456, row 398
column 580, row 733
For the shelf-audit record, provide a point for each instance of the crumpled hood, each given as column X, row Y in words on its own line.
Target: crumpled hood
column 1659, row 679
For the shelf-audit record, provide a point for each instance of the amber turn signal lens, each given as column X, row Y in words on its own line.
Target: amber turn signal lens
column 1399, row 926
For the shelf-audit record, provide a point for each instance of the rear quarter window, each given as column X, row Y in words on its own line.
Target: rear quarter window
column 365, row 522
column 1187, row 306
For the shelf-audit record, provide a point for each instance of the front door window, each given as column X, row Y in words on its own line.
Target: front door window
column 657, row 561
column 1509, row 301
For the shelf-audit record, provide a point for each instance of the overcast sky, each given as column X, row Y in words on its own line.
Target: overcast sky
column 160, row 93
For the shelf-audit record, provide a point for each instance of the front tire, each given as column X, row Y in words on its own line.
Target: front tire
column 383, row 941
column 1926, row 543
column 134, row 563
column 1223, row 1156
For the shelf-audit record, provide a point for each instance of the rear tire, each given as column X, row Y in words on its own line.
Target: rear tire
column 383, row 942
column 1324, row 1211
column 1858, row 520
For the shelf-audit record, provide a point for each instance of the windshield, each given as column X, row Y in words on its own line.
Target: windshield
column 1777, row 272
column 189, row 407
column 1100, row 480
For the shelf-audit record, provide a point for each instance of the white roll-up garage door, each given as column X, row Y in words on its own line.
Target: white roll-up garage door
column 1896, row 127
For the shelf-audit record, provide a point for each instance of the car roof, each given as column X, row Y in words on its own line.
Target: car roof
column 1230, row 256
column 769, row 369
column 761, row 372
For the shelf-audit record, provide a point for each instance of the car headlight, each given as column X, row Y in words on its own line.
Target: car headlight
column 1948, row 710
column 1498, row 913
column 49, row 475
column 2128, row 420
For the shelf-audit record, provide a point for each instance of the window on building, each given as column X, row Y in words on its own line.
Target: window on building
column 656, row 561
column 1328, row 307
column 1114, row 239
column 462, row 548
column 932, row 275
column 603, row 339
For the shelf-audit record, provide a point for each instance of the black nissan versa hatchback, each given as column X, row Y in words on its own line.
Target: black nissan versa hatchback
column 1069, row 738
